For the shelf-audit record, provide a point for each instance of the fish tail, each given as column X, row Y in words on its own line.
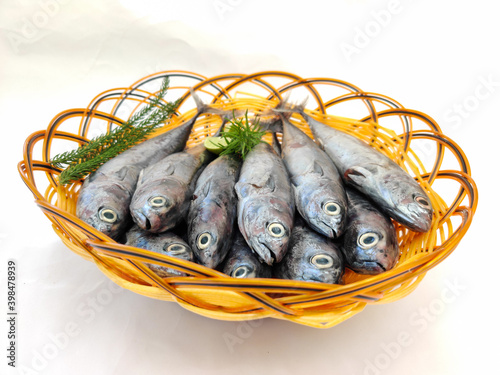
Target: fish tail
column 207, row 108
column 282, row 112
column 273, row 125
column 286, row 108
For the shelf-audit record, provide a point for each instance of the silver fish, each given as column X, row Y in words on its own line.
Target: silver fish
column 375, row 175
column 319, row 191
column 311, row 257
column 242, row 262
column 105, row 196
column 165, row 188
column 265, row 203
column 369, row 244
column 163, row 243
column 213, row 210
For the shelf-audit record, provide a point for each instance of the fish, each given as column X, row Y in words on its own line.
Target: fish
column 375, row 175
column 166, row 243
column 311, row 257
column 318, row 187
column 242, row 262
column 104, row 198
column 266, row 208
column 164, row 189
column 370, row 244
column 212, row 211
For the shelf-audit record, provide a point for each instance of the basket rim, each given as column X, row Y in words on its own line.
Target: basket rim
column 293, row 305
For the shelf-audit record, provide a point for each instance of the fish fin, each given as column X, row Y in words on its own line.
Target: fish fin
column 139, row 179
column 357, row 175
column 270, row 183
column 317, row 168
column 272, row 125
column 286, row 107
column 203, row 191
column 206, row 108
column 242, row 190
column 122, row 173
column 266, row 184
column 169, row 170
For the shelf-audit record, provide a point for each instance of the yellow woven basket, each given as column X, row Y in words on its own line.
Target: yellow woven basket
column 409, row 137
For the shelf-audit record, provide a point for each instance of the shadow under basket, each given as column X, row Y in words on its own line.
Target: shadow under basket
column 409, row 137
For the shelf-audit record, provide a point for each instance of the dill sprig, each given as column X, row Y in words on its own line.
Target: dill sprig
column 89, row 157
column 241, row 136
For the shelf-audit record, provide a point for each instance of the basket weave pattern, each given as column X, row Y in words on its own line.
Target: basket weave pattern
column 409, row 137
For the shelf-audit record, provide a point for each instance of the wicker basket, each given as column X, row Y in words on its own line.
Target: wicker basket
column 409, row 137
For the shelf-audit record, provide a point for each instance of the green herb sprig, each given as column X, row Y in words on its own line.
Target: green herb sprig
column 89, row 157
column 241, row 136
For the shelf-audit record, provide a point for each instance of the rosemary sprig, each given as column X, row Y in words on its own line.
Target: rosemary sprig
column 89, row 157
column 241, row 136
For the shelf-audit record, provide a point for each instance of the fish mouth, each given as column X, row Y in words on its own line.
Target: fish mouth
column 206, row 259
column 264, row 252
column 416, row 220
column 372, row 267
column 311, row 278
column 151, row 223
column 314, row 278
column 324, row 229
column 332, row 233
column 140, row 219
column 144, row 222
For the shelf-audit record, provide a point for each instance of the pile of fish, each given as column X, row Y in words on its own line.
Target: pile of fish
column 301, row 210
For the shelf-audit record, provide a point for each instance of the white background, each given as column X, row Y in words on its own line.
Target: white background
column 431, row 56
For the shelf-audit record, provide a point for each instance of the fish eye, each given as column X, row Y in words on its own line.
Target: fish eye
column 108, row 215
column 331, row 208
column 276, row 230
column 204, row 240
column 368, row 240
column 422, row 202
column 240, row 272
column 322, row 261
column 157, row 202
column 176, row 249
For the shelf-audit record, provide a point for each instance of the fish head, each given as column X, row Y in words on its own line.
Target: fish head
column 266, row 223
column 311, row 257
column 370, row 245
column 241, row 269
column 324, row 210
column 321, row 265
column 166, row 243
column 158, row 207
column 105, row 207
column 411, row 202
column 209, row 230
column 169, row 244
column 398, row 195
column 242, row 262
